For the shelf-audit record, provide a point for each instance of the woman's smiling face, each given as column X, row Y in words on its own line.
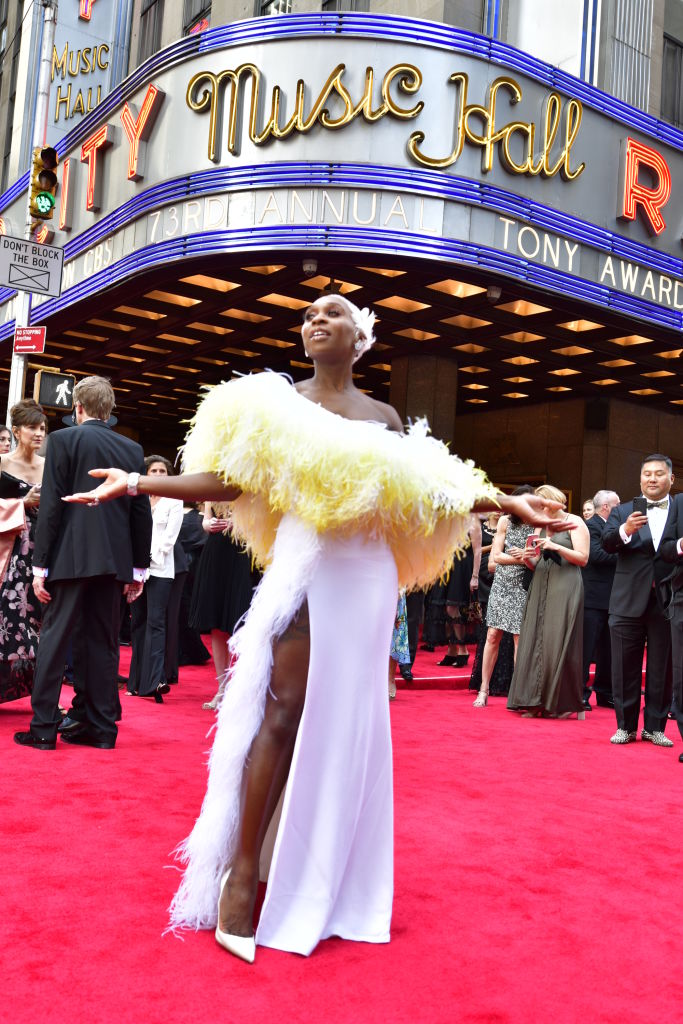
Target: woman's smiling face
column 328, row 331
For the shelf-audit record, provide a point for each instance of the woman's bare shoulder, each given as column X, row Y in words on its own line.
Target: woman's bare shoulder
column 388, row 415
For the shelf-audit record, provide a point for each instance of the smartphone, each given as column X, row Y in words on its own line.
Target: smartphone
column 640, row 506
column 532, row 541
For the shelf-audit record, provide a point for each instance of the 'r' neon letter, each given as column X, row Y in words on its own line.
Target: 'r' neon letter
column 102, row 139
column 635, row 193
column 86, row 9
column 138, row 130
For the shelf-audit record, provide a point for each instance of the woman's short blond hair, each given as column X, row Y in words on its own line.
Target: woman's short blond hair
column 551, row 493
column 96, row 395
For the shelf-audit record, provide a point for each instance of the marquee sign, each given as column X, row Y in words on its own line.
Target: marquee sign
column 405, row 147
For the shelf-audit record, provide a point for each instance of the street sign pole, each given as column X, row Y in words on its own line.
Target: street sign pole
column 17, row 380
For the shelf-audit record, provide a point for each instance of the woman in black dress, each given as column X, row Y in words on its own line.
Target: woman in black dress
column 459, row 594
column 20, row 479
column 222, row 593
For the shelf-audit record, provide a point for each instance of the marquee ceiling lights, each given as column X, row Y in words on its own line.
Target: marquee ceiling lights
column 523, row 337
column 522, row 308
column 415, row 335
column 214, row 284
column 467, row 323
column 148, row 314
column 186, row 347
column 211, row 328
column 271, row 269
column 172, row 299
column 580, row 325
column 484, row 401
column 572, row 350
column 120, row 355
column 659, row 373
column 320, row 283
column 631, row 339
column 458, row 289
column 86, row 335
column 382, row 272
column 558, row 389
column 286, row 301
column 404, row 305
column 180, row 338
column 645, row 392
column 110, row 323
column 515, row 394
column 476, row 387
column 274, row 342
column 245, row 314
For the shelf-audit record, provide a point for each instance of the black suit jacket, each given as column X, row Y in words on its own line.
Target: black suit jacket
column 76, row 541
column 669, row 549
column 639, row 566
column 598, row 573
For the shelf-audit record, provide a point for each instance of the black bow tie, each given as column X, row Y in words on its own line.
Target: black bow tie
column 658, row 504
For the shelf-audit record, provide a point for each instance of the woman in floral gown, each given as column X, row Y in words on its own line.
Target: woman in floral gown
column 20, row 479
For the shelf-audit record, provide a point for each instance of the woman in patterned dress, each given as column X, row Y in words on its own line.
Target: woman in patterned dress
column 22, row 474
column 508, row 596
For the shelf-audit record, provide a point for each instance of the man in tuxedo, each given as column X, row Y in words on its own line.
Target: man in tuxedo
column 84, row 558
column 672, row 551
column 598, row 575
column 638, row 605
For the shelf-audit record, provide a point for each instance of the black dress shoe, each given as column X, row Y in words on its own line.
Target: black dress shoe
column 29, row 739
column 449, row 660
column 84, row 738
column 406, row 673
column 587, row 706
column 680, row 758
column 428, row 647
column 69, row 724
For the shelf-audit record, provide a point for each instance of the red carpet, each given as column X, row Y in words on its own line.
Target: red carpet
column 537, row 878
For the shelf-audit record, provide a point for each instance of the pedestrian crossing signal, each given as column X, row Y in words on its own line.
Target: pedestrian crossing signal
column 43, row 182
column 54, row 390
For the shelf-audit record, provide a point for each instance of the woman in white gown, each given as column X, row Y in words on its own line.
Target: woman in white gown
column 342, row 510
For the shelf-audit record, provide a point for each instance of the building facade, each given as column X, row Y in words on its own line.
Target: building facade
column 498, row 179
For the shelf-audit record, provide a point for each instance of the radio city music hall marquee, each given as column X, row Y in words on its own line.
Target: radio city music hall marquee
column 412, row 130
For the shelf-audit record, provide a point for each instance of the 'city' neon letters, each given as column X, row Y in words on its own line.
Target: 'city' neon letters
column 138, row 130
column 102, row 139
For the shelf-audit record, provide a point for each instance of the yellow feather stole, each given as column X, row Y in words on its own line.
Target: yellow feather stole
column 289, row 455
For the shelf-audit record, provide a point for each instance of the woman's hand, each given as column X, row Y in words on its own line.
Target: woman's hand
column 535, row 510
column 215, row 525
column 115, row 486
column 474, row 582
column 32, row 497
column 548, row 544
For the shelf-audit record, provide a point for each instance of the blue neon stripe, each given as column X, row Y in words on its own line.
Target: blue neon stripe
column 351, row 239
column 584, row 38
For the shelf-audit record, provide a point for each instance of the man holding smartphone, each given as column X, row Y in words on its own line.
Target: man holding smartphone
column 638, row 606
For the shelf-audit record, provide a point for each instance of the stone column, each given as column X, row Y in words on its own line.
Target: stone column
column 426, row 386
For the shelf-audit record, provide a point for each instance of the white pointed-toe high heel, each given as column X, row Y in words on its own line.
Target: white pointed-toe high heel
column 242, row 946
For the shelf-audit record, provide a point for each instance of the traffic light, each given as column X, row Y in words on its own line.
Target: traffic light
column 43, row 182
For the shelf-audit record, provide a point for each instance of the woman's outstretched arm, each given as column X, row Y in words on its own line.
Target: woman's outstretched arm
column 189, row 487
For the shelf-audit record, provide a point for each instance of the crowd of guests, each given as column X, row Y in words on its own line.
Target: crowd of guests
column 602, row 590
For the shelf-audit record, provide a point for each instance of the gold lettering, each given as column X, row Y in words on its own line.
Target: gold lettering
column 66, row 100
column 59, row 63
column 73, row 66
column 515, row 141
column 79, row 104
column 85, row 60
column 103, row 48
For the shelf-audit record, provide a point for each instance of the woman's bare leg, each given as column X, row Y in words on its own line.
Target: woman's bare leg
column 220, row 654
column 488, row 663
column 266, row 771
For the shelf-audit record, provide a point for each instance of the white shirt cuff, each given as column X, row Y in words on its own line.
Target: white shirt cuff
column 140, row 575
column 626, row 537
column 37, row 571
column 679, row 546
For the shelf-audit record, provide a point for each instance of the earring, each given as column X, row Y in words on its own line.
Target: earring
column 306, row 353
column 358, row 346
